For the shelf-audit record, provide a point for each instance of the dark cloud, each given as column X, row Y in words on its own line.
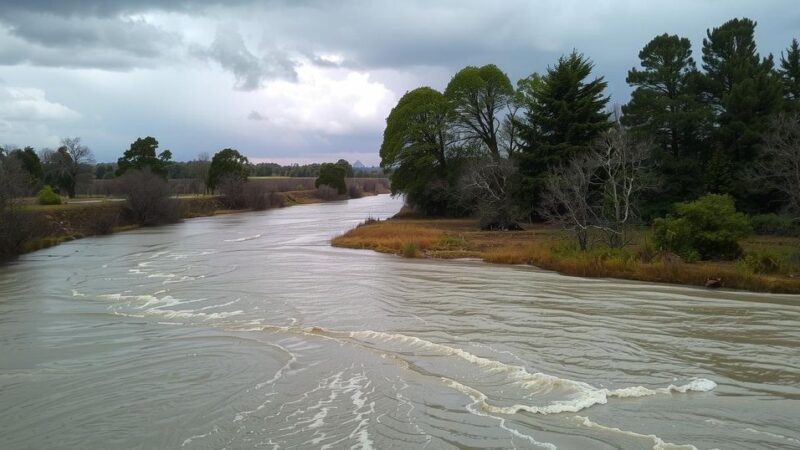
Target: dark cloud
column 230, row 51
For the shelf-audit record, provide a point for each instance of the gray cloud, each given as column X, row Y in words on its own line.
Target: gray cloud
column 230, row 51
column 255, row 115
column 397, row 45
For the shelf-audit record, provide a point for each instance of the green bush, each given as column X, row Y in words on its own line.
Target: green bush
column 760, row 262
column 332, row 175
column 47, row 197
column 410, row 249
column 707, row 228
column 774, row 224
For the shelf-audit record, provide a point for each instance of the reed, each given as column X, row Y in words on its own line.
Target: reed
column 544, row 247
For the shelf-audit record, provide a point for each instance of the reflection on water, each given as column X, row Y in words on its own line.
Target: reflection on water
column 249, row 331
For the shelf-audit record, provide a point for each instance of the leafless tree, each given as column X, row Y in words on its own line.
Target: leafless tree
column 779, row 167
column 68, row 166
column 567, row 197
column 622, row 157
column 598, row 190
column 487, row 183
column 147, row 197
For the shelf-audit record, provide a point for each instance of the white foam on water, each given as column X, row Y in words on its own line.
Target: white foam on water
column 585, row 395
column 246, row 238
column 659, row 444
column 774, row 436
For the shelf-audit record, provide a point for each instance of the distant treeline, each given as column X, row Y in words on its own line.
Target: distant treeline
column 190, row 169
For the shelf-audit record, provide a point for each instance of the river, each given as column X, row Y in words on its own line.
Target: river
column 250, row 331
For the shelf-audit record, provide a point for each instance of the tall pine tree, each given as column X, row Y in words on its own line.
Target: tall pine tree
column 741, row 86
column 790, row 75
column 665, row 106
column 565, row 113
column 745, row 92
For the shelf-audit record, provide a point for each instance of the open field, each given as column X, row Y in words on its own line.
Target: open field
column 546, row 247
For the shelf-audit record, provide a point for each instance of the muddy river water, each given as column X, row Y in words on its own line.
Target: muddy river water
column 250, row 331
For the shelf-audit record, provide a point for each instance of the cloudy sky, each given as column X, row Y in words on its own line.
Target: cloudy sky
column 303, row 80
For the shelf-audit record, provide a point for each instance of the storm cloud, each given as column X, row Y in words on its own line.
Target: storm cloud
column 326, row 74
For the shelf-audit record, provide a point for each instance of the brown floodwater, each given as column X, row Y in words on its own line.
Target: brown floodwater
column 250, row 331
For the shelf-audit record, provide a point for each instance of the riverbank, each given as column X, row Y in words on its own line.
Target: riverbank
column 55, row 224
column 545, row 247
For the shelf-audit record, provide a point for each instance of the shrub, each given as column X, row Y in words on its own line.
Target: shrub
column 325, row 192
column 760, row 262
column 102, row 220
column 147, row 198
column 353, row 191
column 369, row 185
column 774, row 224
column 47, row 196
column 231, row 187
column 708, row 227
column 255, row 196
column 332, row 175
column 410, row 249
column 276, row 200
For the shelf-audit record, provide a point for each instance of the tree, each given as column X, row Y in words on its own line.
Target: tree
column 780, row 167
column 348, row 169
column 665, row 106
column 740, row 86
column 30, row 162
column 598, row 190
column 790, row 75
column 147, row 197
column 419, row 151
column 198, row 169
column 332, row 175
column 68, row 166
column 488, row 183
column 566, row 197
column 141, row 154
column 622, row 158
column 478, row 96
column 226, row 162
column 565, row 114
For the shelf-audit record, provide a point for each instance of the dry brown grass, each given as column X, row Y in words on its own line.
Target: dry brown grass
column 544, row 247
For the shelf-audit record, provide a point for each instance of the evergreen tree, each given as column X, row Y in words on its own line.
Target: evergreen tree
column 741, row 87
column 665, row 107
column 141, row 154
column 790, row 75
column 565, row 113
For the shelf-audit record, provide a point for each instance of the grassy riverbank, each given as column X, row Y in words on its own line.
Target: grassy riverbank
column 546, row 247
column 85, row 217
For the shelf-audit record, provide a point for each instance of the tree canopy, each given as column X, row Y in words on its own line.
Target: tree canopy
column 418, row 148
column 141, row 154
column 478, row 96
column 226, row 162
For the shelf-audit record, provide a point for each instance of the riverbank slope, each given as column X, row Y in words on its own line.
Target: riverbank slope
column 545, row 247
column 54, row 224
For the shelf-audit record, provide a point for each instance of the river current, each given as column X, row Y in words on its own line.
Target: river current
column 251, row 331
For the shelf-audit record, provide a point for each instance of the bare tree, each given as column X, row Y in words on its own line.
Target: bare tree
column 567, row 197
column 598, row 190
column 622, row 158
column 200, row 169
column 779, row 168
column 487, row 182
column 69, row 165
column 147, row 198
